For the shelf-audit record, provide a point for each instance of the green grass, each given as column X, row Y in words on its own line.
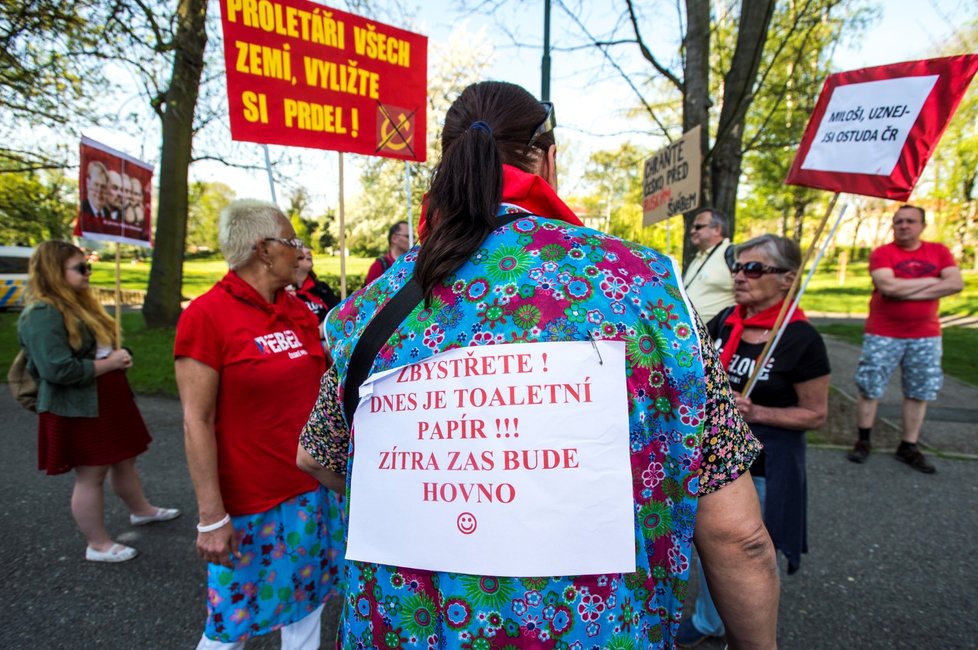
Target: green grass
column 825, row 295
column 960, row 343
column 200, row 274
column 152, row 371
column 152, row 352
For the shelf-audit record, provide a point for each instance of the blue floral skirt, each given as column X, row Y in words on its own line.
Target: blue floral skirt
column 291, row 562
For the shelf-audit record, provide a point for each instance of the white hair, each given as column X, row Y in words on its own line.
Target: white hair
column 242, row 223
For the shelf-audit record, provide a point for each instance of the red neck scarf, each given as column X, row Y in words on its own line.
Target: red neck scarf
column 738, row 321
column 527, row 191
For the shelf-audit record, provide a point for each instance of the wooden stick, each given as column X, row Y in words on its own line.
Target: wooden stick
column 118, row 298
column 762, row 359
column 342, row 234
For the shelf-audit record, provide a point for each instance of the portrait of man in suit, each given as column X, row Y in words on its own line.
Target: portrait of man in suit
column 93, row 210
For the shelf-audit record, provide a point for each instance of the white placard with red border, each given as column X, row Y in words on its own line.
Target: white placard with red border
column 873, row 130
column 506, row 460
column 115, row 193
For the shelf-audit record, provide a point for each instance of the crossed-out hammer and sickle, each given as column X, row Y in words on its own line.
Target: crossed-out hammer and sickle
column 400, row 129
column 387, row 135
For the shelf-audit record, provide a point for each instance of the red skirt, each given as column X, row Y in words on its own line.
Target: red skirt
column 117, row 433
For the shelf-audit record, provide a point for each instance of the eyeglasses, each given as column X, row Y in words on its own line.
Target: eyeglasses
column 754, row 270
column 83, row 268
column 295, row 242
column 701, row 226
column 548, row 124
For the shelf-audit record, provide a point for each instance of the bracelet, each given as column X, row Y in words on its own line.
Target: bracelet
column 209, row 528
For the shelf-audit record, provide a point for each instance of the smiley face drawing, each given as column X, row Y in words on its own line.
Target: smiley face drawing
column 466, row 523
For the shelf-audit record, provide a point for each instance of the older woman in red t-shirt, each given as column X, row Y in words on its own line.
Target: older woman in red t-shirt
column 248, row 364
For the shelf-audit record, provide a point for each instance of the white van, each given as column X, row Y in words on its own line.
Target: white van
column 13, row 275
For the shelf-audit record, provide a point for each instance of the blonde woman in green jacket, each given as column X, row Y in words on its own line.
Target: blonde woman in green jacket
column 87, row 419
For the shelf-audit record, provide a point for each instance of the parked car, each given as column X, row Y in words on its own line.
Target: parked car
column 13, row 275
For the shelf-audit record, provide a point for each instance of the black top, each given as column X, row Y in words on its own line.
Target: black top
column 799, row 356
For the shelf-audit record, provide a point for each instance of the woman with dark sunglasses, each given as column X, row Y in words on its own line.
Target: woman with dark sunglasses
column 87, row 419
column 790, row 397
column 503, row 260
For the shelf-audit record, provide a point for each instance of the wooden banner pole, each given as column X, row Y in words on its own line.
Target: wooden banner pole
column 118, row 297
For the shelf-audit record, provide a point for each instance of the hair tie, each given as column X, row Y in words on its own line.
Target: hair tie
column 482, row 126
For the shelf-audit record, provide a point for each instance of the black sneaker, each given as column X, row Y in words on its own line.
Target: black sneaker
column 912, row 456
column 860, row 452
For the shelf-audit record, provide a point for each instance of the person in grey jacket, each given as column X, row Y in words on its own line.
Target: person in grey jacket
column 87, row 419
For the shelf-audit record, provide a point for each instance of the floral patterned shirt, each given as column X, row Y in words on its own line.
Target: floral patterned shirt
column 533, row 280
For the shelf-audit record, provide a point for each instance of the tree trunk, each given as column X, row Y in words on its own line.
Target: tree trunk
column 799, row 205
column 162, row 306
column 738, row 93
column 696, row 99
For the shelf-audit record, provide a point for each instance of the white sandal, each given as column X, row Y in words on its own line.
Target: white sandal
column 116, row 553
column 161, row 514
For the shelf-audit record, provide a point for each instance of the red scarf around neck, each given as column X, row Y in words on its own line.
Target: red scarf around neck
column 738, row 321
column 529, row 192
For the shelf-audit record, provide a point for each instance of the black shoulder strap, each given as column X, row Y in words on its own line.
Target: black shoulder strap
column 379, row 331
column 384, row 264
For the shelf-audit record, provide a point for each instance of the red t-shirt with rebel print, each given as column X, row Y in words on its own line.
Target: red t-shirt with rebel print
column 270, row 362
column 907, row 319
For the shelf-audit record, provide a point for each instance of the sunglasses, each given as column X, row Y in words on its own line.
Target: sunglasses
column 754, row 270
column 701, row 226
column 548, row 124
column 84, row 268
column 291, row 243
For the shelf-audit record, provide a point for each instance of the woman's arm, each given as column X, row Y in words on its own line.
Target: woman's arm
column 198, row 385
column 330, row 479
column 42, row 332
column 810, row 413
column 117, row 360
column 740, row 564
column 325, row 439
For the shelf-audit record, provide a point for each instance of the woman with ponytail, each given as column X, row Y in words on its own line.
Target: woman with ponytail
column 87, row 418
column 503, row 260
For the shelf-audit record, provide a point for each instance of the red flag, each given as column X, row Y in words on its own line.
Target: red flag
column 873, row 130
column 304, row 75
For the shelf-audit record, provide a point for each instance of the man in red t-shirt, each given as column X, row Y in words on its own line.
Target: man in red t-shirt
column 910, row 276
column 398, row 243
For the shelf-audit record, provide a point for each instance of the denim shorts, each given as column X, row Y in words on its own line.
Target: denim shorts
column 919, row 361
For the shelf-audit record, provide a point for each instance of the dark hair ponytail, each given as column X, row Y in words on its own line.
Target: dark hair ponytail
column 464, row 201
column 467, row 185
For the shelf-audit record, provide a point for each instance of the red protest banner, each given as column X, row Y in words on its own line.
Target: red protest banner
column 114, row 192
column 301, row 74
column 873, row 130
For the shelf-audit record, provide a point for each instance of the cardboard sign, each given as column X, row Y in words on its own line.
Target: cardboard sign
column 671, row 182
column 503, row 460
column 305, row 75
column 115, row 196
column 873, row 130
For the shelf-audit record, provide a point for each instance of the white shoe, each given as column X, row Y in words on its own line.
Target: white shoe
column 116, row 553
column 162, row 514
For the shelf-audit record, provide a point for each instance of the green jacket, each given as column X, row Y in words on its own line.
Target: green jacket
column 65, row 377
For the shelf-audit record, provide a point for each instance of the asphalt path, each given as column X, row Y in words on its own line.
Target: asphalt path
column 891, row 562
